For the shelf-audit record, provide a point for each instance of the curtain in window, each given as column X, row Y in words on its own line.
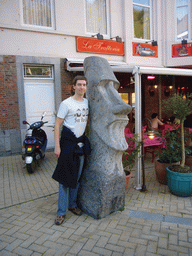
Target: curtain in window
column 96, row 17
column 37, row 12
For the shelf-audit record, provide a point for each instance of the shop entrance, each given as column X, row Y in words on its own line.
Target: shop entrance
column 39, row 97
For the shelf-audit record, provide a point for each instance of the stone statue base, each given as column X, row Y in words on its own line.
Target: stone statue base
column 102, row 187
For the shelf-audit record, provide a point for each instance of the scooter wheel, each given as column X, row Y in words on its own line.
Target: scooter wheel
column 29, row 168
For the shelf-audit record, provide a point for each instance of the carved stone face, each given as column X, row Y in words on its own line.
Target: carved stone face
column 109, row 115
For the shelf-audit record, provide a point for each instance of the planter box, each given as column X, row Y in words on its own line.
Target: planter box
column 180, row 184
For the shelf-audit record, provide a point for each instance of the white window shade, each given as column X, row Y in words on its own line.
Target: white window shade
column 38, row 13
column 96, row 16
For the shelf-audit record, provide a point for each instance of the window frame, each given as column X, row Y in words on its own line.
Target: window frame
column 107, row 36
column 150, row 22
column 189, row 5
column 34, row 77
column 37, row 26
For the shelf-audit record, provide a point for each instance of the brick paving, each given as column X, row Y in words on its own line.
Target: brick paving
column 28, row 206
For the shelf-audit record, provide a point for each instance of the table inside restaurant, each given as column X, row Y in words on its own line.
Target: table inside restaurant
column 150, row 145
column 165, row 127
column 157, row 141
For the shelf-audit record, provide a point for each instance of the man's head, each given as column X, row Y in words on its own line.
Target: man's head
column 79, row 85
column 154, row 115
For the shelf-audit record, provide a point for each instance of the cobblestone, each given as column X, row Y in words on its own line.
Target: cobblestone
column 29, row 203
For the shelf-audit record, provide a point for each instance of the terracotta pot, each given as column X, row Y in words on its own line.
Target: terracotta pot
column 160, row 170
column 128, row 176
column 188, row 160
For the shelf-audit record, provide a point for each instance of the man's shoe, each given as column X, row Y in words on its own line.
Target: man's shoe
column 76, row 211
column 59, row 219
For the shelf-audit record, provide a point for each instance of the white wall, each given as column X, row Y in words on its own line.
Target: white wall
column 61, row 42
column 70, row 22
column 169, row 30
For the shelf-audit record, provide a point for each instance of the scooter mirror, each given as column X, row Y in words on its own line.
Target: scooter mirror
column 25, row 122
column 44, row 113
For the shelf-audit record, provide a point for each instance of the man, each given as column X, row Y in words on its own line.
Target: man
column 155, row 122
column 70, row 150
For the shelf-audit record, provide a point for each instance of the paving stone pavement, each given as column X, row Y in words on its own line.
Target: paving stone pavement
column 29, row 202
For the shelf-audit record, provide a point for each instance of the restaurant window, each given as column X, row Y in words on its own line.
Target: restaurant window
column 33, row 71
column 97, row 16
column 38, row 13
column 141, row 19
column 182, row 16
column 128, row 98
column 124, row 97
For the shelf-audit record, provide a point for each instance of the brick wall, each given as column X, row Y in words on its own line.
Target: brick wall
column 10, row 135
column 151, row 103
column 66, row 81
column 9, row 114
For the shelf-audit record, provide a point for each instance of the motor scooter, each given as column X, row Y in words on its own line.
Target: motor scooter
column 34, row 144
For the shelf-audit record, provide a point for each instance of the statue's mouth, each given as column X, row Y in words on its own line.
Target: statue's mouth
column 116, row 134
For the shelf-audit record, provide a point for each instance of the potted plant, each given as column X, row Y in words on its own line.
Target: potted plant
column 170, row 154
column 129, row 156
column 179, row 178
column 188, row 159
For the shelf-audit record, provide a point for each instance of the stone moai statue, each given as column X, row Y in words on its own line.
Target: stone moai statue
column 102, row 187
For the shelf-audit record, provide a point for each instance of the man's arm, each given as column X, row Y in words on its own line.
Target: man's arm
column 58, row 124
column 160, row 123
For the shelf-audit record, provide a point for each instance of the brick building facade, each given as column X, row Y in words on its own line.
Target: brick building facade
column 27, row 44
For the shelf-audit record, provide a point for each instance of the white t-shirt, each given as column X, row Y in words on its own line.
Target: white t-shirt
column 75, row 115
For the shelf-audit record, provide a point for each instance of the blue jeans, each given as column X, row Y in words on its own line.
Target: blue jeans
column 68, row 196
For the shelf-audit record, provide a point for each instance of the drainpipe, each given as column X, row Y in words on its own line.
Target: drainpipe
column 159, row 90
column 138, row 126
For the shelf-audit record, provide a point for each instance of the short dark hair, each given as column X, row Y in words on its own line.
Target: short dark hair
column 79, row 78
column 154, row 115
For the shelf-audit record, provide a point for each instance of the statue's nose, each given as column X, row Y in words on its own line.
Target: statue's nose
column 121, row 108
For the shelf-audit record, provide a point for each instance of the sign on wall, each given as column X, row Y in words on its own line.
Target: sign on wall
column 93, row 45
column 181, row 50
column 144, row 50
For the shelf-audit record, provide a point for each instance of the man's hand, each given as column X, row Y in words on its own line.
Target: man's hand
column 57, row 151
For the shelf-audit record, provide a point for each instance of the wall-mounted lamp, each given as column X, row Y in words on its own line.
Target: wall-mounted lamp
column 118, row 39
column 99, row 36
column 167, row 91
column 151, row 91
column 184, row 41
column 154, row 43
